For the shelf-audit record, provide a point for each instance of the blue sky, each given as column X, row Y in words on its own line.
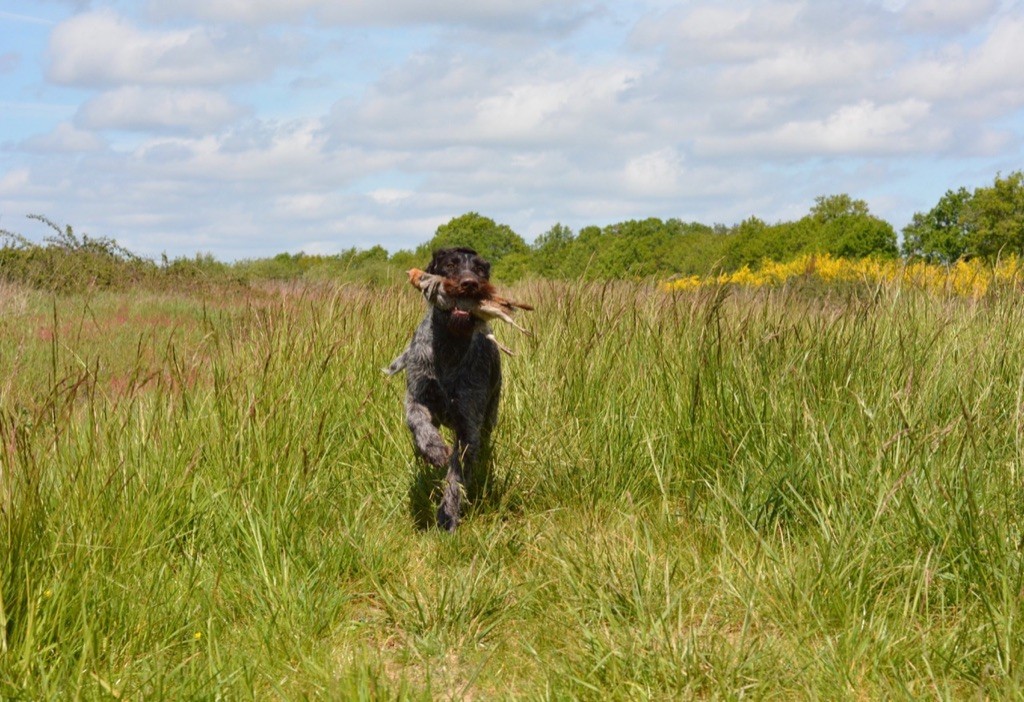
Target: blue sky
column 249, row 127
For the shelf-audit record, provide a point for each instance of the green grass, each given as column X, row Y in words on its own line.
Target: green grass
column 718, row 494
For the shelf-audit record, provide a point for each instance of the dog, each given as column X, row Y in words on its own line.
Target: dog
column 453, row 378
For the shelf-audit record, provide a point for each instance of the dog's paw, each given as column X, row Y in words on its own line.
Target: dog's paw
column 446, row 522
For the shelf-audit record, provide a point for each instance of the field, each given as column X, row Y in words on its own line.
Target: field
column 789, row 492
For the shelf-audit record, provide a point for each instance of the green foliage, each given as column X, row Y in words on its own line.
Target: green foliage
column 753, row 241
column 859, row 236
column 634, row 249
column 550, row 251
column 994, row 218
column 405, row 259
column 986, row 223
column 512, row 268
column 828, row 208
column 837, row 224
column 491, row 240
column 67, row 262
column 939, row 235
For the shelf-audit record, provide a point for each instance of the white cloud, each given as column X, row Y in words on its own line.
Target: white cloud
column 946, row 15
column 802, row 67
column 654, row 173
column 446, row 100
column 543, row 109
column 142, row 109
column 390, row 196
column 15, row 182
column 863, row 128
column 961, row 73
column 65, row 138
column 497, row 15
column 288, row 156
column 304, row 205
column 708, row 33
column 101, row 48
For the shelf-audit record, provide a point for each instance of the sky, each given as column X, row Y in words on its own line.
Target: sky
column 246, row 128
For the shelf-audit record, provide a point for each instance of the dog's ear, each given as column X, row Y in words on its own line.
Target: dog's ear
column 434, row 267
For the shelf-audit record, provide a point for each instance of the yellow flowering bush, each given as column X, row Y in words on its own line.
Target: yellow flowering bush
column 964, row 278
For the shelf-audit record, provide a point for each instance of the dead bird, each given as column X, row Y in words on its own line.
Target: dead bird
column 484, row 303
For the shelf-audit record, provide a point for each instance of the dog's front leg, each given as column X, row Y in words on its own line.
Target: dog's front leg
column 425, row 435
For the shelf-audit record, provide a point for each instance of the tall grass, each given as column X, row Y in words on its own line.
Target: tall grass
column 716, row 492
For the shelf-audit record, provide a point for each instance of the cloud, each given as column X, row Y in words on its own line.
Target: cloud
column 495, row 15
column 654, row 173
column 803, row 67
column 946, row 15
column 254, row 156
column 542, row 109
column 390, row 196
column 706, row 33
column 144, row 109
column 15, row 182
column 959, row 73
column 64, row 139
column 102, row 49
column 452, row 100
column 862, row 128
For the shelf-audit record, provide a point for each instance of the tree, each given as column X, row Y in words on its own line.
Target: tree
column 860, row 236
column 750, row 242
column 490, row 240
column 832, row 207
column 845, row 227
column 550, row 249
column 994, row 218
column 941, row 234
column 555, row 238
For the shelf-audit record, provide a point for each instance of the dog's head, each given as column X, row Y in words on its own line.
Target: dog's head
column 467, row 275
column 468, row 272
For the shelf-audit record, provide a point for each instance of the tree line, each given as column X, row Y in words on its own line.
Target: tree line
column 985, row 223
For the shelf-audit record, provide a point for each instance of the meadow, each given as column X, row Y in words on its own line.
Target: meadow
column 795, row 491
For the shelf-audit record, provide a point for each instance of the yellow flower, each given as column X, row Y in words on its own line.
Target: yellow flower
column 964, row 278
